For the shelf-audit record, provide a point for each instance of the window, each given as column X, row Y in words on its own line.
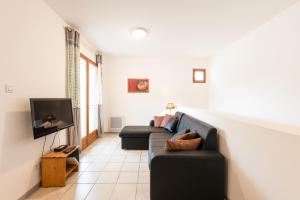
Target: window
column 199, row 76
column 88, row 100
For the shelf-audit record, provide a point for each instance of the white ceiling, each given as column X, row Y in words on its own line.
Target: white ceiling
column 176, row 27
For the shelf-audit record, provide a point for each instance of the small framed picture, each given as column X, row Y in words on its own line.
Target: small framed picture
column 138, row 85
column 199, row 75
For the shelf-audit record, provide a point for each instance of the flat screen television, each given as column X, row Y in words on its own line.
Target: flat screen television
column 50, row 115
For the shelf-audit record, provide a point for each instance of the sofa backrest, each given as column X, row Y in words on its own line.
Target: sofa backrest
column 207, row 132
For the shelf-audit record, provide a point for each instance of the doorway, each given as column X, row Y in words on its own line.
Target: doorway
column 88, row 101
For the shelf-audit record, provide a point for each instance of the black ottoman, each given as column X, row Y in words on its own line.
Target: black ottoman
column 137, row 137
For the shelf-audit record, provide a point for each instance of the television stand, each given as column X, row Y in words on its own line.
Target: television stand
column 55, row 169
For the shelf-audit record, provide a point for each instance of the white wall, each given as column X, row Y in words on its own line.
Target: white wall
column 259, row 75
column 263, row 163
column 170, row 81
column 33, row 61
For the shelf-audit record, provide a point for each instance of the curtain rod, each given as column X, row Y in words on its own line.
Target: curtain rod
column 70, row 27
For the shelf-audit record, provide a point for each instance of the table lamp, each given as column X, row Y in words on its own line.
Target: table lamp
column 170, row 106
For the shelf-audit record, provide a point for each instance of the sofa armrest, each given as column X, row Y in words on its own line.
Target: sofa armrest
column 151, row 123
column 187, row 175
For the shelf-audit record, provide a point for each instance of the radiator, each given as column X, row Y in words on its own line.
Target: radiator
column 115, row 124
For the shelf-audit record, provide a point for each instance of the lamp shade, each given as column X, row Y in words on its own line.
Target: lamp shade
column 170, row 106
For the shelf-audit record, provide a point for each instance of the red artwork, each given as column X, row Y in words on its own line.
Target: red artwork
column 138, row 85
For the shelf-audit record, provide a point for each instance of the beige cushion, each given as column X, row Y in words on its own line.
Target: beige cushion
column 166, row 119
column 158, row 120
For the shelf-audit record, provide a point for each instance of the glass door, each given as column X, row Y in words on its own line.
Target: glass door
column 83, row 101
column 93, row 103
column 88, row 101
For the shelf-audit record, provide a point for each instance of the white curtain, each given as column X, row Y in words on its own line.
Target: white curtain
column 100, row 96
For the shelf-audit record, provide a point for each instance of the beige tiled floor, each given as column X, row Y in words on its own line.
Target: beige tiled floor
column 106, row 173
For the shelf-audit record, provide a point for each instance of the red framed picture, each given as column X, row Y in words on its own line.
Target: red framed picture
column 138, row 85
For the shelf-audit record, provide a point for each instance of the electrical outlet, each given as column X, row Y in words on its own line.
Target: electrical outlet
column 37, row 164
column 9, row 88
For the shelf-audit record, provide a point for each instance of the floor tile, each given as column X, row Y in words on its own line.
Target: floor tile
column 88, row 177
column 117, row 158
column 49, row 193
column 87, row 158
column 104, row 154
column 101, row 158
column 134, row 152
column 77, row 192
column 96, row 150
column 96, row 166
column 144, row 158
column 124, row 191
column 73, row 177
column 128, row 177
column 110, row 149
column 108, row 177
column 83, row 166
column 132, row 158
column 143, row 192
column 119, row 152
column 106, row 172
column 130, row 167
column 101, row 192
column 113, row 167
column 144, row 167
column 144, row 177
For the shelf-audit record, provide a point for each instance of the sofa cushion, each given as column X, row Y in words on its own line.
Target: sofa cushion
column 155, row 152
column 178, row 116
column 158, row 140
column 207, row 132
column 166, row 119
column 178, row 134
column 189, row 135
column 158, row 130
column 162, row 135
column 171, row 125
column 158, row 120
column 191, row 144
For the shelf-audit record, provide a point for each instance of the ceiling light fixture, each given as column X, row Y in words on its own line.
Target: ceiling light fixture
column 139, row 33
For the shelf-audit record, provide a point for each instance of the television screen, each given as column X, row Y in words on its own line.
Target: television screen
column 50, row 115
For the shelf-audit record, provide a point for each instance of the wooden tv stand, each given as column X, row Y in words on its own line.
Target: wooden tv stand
column 55, row 169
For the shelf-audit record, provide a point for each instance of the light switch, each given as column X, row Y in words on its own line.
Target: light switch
column 9, row 88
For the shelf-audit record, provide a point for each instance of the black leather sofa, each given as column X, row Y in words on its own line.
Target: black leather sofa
column 180, row 175
column 187, row 175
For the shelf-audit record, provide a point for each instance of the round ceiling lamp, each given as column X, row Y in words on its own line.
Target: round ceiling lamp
column 139, row 33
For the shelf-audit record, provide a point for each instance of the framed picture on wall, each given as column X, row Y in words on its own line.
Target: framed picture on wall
column 138, row 85
column 199, row 75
